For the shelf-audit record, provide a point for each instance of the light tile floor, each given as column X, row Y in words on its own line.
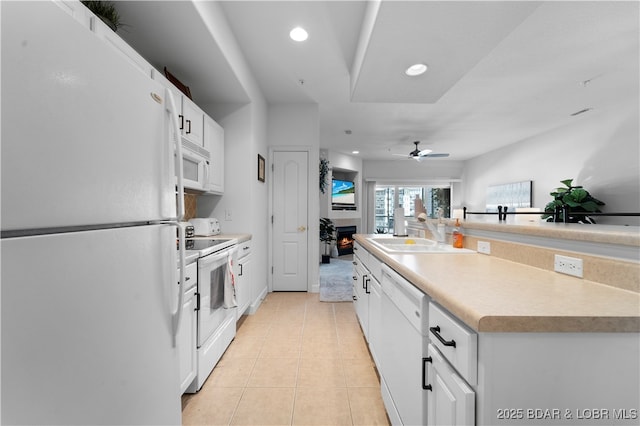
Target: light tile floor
column 296, row 361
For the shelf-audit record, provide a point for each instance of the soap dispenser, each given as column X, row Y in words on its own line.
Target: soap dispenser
column 457, row 235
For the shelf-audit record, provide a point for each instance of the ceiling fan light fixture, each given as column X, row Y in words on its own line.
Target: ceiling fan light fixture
column 298, row 34
column 416, row 70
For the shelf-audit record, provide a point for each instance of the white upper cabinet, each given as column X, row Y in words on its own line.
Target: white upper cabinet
column 192, row 122
column 191, row 117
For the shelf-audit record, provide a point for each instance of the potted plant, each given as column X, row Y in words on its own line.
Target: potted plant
column 324, row 170
column 576, row 199
column 327, row 235
column 105, row 10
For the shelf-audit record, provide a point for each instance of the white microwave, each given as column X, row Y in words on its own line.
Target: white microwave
column 195, row 166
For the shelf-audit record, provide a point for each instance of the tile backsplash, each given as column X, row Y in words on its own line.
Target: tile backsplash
column 190, row 206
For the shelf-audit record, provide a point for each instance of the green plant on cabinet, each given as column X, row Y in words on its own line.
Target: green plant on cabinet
column 577, row 199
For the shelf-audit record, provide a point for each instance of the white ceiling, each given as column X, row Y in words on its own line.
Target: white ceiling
column 499, row 72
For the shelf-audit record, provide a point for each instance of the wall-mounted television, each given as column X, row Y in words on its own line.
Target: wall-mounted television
column 343, row 193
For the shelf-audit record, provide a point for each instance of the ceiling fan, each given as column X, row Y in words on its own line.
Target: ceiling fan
column 421, row 155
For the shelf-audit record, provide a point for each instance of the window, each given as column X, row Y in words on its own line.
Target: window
column 389, row 197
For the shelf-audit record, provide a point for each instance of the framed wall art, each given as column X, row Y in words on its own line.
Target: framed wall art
column 261, row 168
column 512, row 195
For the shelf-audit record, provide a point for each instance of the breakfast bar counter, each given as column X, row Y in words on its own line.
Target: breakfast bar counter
column 490, row 294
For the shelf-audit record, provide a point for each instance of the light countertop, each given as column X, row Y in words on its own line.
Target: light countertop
column 490, row 294
column 607, row 234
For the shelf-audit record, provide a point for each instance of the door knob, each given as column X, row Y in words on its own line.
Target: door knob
column 302, row 228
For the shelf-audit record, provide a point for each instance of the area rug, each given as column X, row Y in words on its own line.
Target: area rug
column 336, row 281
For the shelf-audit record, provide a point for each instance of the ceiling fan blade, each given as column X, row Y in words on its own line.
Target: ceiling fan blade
column 437, row 155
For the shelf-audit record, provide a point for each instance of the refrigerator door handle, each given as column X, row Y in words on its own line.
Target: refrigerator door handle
column 173, row 112
column 177, row 315
column 171, row 107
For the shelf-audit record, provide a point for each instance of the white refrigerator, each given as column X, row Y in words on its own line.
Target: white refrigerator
column 89, row 292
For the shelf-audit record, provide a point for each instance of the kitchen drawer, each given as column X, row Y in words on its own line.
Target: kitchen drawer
column 244, row 249
column 457, row 342
column 374, row 266
column 191, row 276
column 362, row 253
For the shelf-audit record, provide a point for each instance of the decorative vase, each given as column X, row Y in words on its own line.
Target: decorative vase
column 334, row 251
column 326, row 258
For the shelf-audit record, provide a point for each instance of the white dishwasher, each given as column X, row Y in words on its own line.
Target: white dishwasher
column 403, row 355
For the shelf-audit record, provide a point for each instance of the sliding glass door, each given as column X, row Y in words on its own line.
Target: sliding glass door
column 389, row 197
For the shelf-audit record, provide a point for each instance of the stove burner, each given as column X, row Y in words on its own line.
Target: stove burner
column 205, row 244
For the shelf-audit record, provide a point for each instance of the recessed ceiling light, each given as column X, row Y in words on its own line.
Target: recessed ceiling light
column 298, row 34
column 416, row 69
column 355, row 152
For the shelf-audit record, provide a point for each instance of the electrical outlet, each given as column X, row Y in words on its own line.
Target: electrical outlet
column 568, row 265
column 484, row 247
column 228, row 215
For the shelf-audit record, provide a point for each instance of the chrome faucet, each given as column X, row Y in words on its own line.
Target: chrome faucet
column 438, row 232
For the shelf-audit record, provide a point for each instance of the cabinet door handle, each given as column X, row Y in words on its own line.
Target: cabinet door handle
column 181, row 121
column 240, row 274
column 424, row 373
column 364, row 277
column 436, row 332
column 189, row 124
column 366, row 285
column 355, row 278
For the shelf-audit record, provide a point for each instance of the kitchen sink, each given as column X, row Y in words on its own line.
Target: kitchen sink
column 414, row 245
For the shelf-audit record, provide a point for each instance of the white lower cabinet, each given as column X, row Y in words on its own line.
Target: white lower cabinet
column 375, row 319
column 558, row 378
column 244, row 279
column 361, row 294
column 449, row 374
column 186, row 338
column 451, row 401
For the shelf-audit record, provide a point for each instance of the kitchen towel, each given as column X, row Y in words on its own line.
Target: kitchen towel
column 230, row 285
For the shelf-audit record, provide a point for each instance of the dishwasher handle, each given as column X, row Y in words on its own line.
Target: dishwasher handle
column 436, row 332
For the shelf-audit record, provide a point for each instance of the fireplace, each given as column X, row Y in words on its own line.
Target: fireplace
column 344, row 239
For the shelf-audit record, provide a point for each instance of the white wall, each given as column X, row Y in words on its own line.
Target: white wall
column 406, row 170
column 245, row 126
column 600, row 151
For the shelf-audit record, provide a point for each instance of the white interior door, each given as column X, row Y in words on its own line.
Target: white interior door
column 290, row 221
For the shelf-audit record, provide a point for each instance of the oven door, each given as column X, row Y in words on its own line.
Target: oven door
column 212, row 270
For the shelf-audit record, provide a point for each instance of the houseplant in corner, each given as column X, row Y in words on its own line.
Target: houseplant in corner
column 105, row 10
column 577, row 199
column 327, row 235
